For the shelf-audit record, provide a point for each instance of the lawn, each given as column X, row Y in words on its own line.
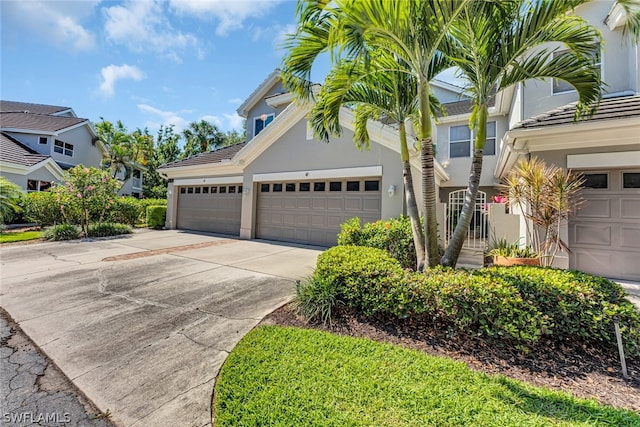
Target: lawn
column 290, row 376
column 20, row 236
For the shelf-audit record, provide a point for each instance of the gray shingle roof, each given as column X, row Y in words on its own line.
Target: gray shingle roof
column 13, row 151
column 215, row 156
column 37, row 122
column 14, row 106
column 620, row 107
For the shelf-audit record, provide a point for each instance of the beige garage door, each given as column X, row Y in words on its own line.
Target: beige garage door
column 311, row 212
column 604, row 235
column 211, row 208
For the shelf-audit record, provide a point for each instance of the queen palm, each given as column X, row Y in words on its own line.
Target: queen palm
column 201, row 137
column 410, row 32
column 498, row 44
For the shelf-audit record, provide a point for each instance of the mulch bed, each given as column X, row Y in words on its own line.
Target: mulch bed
column 580, row 370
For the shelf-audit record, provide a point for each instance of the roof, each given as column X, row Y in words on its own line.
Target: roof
column 259, row 93
column 615, row 108
column 37, row 122
column 14, row 106
column 13, row 151
column 215, row 156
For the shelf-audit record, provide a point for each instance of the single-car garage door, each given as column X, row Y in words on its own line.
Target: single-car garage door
column 212, row 208
column 311, row 212
column 604, row 235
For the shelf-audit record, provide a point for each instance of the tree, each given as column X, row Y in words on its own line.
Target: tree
column 10, row 195
column 125, row 150
column 201, row 137
column 410, row 32
column 166, row 150
column 497, row 45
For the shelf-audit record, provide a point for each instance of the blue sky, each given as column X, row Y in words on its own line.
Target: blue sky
column 146, row 63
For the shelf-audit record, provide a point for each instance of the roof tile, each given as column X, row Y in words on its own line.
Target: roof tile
column 37, row 122
column 13, row 151
column 215, row 156
column 14, row 106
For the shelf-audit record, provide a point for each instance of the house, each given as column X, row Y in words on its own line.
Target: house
column 39, row 142
column 282, row 184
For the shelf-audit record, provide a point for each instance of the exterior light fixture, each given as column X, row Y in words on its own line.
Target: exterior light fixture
column 392, row 190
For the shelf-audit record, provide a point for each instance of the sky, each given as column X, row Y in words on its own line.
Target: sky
column 147, row 63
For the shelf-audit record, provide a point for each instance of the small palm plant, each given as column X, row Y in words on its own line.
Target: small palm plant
column 547, row 196
column 10, row 195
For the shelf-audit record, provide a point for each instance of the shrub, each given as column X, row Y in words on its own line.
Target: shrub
column 156, row 216
column 63, row 232
column 125, row 210
column 393, row 235
column 43, row 208
column 316, row 298
column 105, row 229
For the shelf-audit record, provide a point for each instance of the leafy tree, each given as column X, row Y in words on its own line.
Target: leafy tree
column 233, row 137
column 201, row 137
column 166, row 150
column 496, row 46
column 125, row 149
column 10, row 195
column 411, row 32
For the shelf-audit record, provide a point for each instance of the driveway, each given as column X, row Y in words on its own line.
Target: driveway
column 142, row 324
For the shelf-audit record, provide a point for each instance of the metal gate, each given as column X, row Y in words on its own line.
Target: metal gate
column 477, row 233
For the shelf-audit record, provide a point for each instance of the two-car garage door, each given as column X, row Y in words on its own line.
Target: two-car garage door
column 311, row 211
column 604, row 235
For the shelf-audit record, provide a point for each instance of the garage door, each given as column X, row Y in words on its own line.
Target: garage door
column 211, row 208
column 604, row 235
column 311, row 212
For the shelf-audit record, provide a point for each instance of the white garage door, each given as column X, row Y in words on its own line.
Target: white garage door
column 211, row 208
column 311, row 212
column 604, row 235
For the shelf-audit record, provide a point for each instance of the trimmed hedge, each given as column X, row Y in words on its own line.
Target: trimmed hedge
column 392, row 235
column 156, row 216
column 520, row 305
column 125, row 210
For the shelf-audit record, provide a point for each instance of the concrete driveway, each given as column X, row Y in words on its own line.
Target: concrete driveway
column 142, row 324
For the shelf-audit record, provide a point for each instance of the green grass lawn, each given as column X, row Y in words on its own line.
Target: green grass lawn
column 295, row 377
column 21, row 236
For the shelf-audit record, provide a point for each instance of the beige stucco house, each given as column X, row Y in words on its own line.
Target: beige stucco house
column 282, row 184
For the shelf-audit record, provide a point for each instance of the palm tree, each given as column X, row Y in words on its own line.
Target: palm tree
column 201, row 137
column 118, row 144
column 10, row 195
column 410, row 32
column 496, row 45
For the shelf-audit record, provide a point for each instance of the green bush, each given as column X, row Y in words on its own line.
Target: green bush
column 125, row 210
column 42, row 207
column 316, row 298
column 156, row 216
column 392, row 235
column 105, row 229
column 63, row 232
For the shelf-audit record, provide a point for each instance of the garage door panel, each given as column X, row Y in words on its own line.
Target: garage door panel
column 593, row 234
column 630, row 237
column 335, row 221
column 290, row 203
column 630, row 208
column 595, row 208
column 319, row 203
column 303, row 220
column 304, row 203
column 352, row 204
column 335, row 203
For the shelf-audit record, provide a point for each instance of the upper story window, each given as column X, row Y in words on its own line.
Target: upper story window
column 63, row 148
column 560, row 86
column 261, row 122
column 460, row 138
column 43, row 140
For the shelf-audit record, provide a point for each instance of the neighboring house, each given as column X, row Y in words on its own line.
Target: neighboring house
column 284, row 185
column 39, row 142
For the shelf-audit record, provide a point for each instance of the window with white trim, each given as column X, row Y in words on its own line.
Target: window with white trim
column 43, row 140
column 63, row 148
column 461, row 137
column 34, row 185
column 561, row 86
column 261, row 122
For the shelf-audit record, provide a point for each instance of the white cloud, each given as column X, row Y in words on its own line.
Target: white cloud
column 143, row 26
column 276, row 33
column 230, row 14
column 165, row 118
column 56, row 23
column 112, row 73
column 212, row 119
column 236, row 101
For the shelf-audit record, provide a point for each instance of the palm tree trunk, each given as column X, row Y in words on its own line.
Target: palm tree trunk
column 410, row 196
column 451, row 254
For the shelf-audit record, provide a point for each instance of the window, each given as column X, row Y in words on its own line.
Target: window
column 630, row 180
column 459, row 141
column 490, row 144
column 43, row 140
column 214, row 190
column 190, row 190
column 372, row 186
column 63, row 148
column 45, row 185
column 264, row 188
column 32, row 185
column 183, row 190
column 560, row 86
column 205, row 190
column 290, row 187
column 596, row 180
column 335, row 186
column 305, row 186
column 261, row 122
column 353, row 185
column 232, row 189
column 318, row 186
column 223, row 189
column 239, row 188
column 198, row 189
column 277, row 188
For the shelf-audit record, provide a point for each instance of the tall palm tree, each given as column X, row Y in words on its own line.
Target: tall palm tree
column 201, row 137
column 497, row 44
column 118, row 142
column 411, row 32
